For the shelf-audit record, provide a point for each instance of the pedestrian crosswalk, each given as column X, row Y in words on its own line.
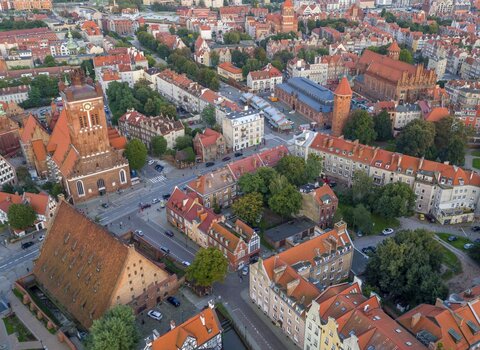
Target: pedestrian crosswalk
column 156, row 179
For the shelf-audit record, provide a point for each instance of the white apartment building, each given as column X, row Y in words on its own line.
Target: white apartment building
column 243, row 129
column 16, row 94
column 439, row 65
column 404, row 114
column 446, row 191
column 7, row 172
column 317, row 72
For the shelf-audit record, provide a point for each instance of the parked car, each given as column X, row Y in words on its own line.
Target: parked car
column 166, row 196
column 158, row 167
column 245, row 270
column 105, row 205
column 151, row 161
column 226, row 159
column 368, row 250
column 387, row 231
column 185, row 263
column 254, row 259
column 477, row 240
column 155, row 200
column 156, row 315
column 452, row 238
column 238, row 154
column 209, row 164
column 169, row 233
column 476, row 228
column 139, row 233
column 174, row 301
column 41, row 238
column 430, row 218
column 26, row 245
column 165, row 250
column 468, row 246
column 145, row 206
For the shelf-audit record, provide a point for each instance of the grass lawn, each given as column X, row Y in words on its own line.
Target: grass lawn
column 451, row 261
column 14, row 325
column 476, row 163
column 459, row 243
column 379, row 223
column 476, row 153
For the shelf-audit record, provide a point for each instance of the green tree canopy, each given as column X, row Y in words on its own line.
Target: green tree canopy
column 313, row 167
column 208, row 116
column 360, row 126
column 252, row 182
column 209, row 266
column 406, row 268
column 359, row 218
column 136, row 153
column 21, row 216
column 451, row 137
column 286, row 202
column 406, row 56
column 383, row 126
column 158, row 145
column 293, row 168
column 416, row 138
column 49, row 61
column 116, row 330
column 394, row 200
column 249, row 207
column 183, row 142
column 362, row 188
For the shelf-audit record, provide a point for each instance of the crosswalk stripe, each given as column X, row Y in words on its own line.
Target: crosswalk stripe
column 158, row 179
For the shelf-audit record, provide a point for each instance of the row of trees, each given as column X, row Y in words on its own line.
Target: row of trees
column 338, row 24
column 11, row 24
column 444, row 140
column 142, row 98
column 43, row 89
column 275, row 188
column 431, row 28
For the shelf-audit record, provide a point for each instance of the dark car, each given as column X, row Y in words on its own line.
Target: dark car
column 452, row 238
column 332, row 184
column 26, row 245
column 169, row 233
column 226, row 159
column 477, row 240
column 238, row 154
column 165, row 250
column 430, row 218
column 145, row 206
column 166, row 196
column 105, row 205
column 476, row 228
column 174, row 301
column 209, row 164
column 368, row 250
column 254, row 259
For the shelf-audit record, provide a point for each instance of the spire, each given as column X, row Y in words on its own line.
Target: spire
column 66, row 81
column 343, row 88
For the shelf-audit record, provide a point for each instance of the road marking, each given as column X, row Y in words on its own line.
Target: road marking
column 254, row 328
column 160, row 178
column 20, row 258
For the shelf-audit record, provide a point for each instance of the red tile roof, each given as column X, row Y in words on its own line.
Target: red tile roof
column 343, row 88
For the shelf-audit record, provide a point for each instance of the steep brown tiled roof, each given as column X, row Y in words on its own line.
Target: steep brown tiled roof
column 79, row 265
column 343, row 88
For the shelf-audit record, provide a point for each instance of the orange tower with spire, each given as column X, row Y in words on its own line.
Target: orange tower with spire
column 342, row 97
column 394, row 51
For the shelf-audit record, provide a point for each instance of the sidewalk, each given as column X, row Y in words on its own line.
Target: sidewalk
column 35, row 326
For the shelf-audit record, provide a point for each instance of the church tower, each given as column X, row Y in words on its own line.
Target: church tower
column 394, row 51
column 288, row 17
column 342, row 98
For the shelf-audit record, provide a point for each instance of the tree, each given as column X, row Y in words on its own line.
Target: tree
column 406, row 268
column 252, row 182
column 277, row 183
column 359, row 218
column 360, row 126
column 451, row 137
column 208, row 116
column 232, row 37
column 23, row 175
column 383, row 126
column 136, row 153
column 395, row 200
column 416, row 138
column 189, row 154
column 313, row 167
column 286, row 202
column 183, row 142
column 293, row 168
column 474, row 252
column 406, row 56
column 249, row 207
column 239, row 58
column 362, row 188
column 267, row 174
column 158, row 145
column 8, row 188
column 214, row 59
column 49, row 61
column 116, row 330
column 208, row 267
column 21, row 216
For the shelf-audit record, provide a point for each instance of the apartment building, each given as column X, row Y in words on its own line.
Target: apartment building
column 136, row 125
column 317, row 71
column 404, row 114
column 265, row 79
column 446, row 191
column 229, row 71
column 341, row 317
column 209, row 145
column 463, row 94
column 16, row 94
column 243, row 129
column 320, row 205
column 285, row 285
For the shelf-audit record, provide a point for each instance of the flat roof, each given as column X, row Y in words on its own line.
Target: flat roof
column 316, row 96
column 289, row 229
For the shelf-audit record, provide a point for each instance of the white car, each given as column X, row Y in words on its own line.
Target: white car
column 151, row 161
column 468, row 246
column 245, row 271
column 41, row 238
column 139, row 232
column 155, row 200
column 387, row 231
column 156, row 315
column 185, row 263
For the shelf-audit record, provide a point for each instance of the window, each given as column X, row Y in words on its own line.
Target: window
column 80, row 189
column 123, row 176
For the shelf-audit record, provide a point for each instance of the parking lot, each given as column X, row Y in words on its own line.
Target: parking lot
column 180, row 314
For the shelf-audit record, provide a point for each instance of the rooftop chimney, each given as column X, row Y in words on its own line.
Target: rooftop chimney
column 202, row 319
column 172, row 324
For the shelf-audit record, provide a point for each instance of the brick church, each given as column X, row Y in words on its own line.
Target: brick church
column 82, row 152
column 386, row 78
column 284, row 22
